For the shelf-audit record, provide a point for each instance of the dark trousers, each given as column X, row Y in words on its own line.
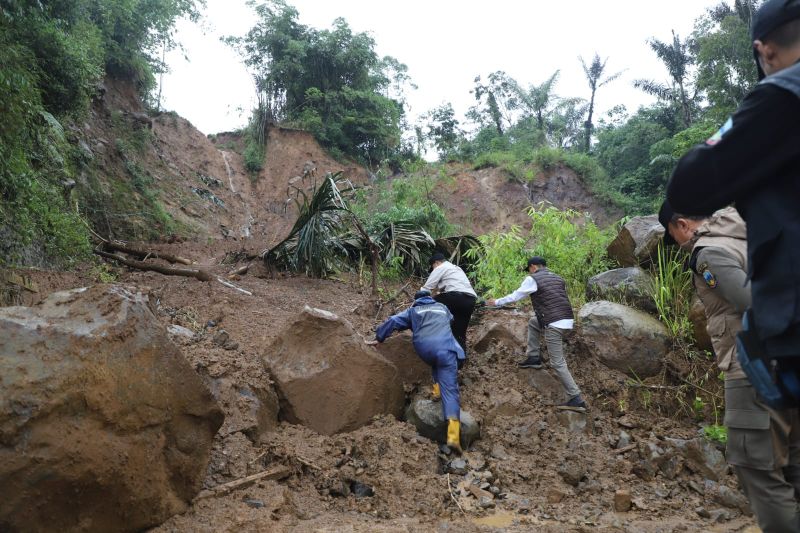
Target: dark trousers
column 461, row 305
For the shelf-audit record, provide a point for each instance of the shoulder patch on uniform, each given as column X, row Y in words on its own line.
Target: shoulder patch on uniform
column 708, row 277
column 717, row 137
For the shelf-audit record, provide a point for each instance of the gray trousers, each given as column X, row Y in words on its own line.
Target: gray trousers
column 553, row 337
column 764, row 449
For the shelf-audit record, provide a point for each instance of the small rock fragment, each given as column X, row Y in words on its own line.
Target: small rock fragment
column 622, row 501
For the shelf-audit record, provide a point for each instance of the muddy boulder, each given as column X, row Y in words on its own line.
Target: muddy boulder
column 508, row 333
column 427, row 417
column 637, row 242
column 632, row 285
column 249, row 409
column 104, row 426
column 399, row 350
column 327, row 379
column 624, row 338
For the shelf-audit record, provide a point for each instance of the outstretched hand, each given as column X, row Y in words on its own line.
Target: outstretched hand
column 491, row 302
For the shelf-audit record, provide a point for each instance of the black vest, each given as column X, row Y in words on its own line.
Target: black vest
column 773, row 236
column 550, row 301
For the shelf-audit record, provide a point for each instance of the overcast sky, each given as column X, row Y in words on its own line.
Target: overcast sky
column 445, row 44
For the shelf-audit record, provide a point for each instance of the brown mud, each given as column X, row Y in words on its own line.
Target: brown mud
column 525, row 443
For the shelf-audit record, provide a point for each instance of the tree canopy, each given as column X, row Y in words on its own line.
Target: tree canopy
column 331, row 82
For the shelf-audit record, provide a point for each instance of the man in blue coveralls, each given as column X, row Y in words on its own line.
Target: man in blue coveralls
column 435, row 344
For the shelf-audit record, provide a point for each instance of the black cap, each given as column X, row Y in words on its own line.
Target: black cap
column 422, row 293
column 535, row 260
column 438, row 256
column 770, row 16
column 665, row 215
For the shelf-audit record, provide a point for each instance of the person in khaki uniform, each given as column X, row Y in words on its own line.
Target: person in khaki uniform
column 763, row 443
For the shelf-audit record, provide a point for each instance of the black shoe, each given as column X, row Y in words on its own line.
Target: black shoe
column 575, row 403
column 531, row 362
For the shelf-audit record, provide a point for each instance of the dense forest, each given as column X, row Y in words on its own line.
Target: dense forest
column 54, row 56
column 333, row 83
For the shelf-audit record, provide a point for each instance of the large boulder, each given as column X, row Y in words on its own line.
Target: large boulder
column 104, row 426
column 428, row 418
column 697, row 316
column 326, row 377
column 399, row 350
column 631, row 285
column 637, row 242
column 624, row 338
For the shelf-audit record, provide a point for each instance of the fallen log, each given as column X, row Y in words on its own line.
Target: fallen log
column 239, row 271
column 202, row 275
column 142, row 254
column 220, row 490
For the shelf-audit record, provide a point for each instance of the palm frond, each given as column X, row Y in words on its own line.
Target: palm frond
column 313, row 245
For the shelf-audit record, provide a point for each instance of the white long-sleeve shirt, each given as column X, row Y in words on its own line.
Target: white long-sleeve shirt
column 447, row 277
column 527, row 288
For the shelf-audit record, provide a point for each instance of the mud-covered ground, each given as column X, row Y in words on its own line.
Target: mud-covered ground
column 527, row 453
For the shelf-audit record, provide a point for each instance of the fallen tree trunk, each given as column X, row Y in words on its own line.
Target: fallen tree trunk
column 142, row 254
column 202, row 275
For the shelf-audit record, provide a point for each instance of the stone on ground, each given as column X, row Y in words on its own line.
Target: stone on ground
column 622, row 501
column 250, row 410
column 545, row 384
column 697, row 316
column 624, row 338
column 508, row 334
column 637, row 242
column 429, row 420
column 573, row 421
column 103, row 424
column 632, row 285
column 702, row 457
column 327, row 379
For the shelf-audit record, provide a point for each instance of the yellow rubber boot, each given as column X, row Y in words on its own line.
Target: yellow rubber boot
column 454, row 435
column 436, row 392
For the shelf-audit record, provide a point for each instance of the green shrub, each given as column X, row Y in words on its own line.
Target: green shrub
column 253, row 156
column 546, row 158
column 498, row 262
column 574, row 247
column 572, row 244
column 716, row 433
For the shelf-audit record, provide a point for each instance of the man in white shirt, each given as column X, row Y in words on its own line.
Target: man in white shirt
column 454, row 291
column 553, row 313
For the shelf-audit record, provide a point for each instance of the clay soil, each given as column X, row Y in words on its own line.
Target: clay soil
column 523, row 442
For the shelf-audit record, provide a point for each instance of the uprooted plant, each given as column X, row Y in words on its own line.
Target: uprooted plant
column 328, row 236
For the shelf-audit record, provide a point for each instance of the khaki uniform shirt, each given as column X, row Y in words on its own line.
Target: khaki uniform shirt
column 719, row 263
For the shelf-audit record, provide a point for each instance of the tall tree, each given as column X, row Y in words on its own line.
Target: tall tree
column 724, row 53
column 594, row 75
column 537, row 101
column 330, row 82
column 495, row 101
column 443, row 129
column 677, row 57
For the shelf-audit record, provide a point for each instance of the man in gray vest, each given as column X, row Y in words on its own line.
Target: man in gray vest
column 763, row 443
column 553, row 315
column 754, row 162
